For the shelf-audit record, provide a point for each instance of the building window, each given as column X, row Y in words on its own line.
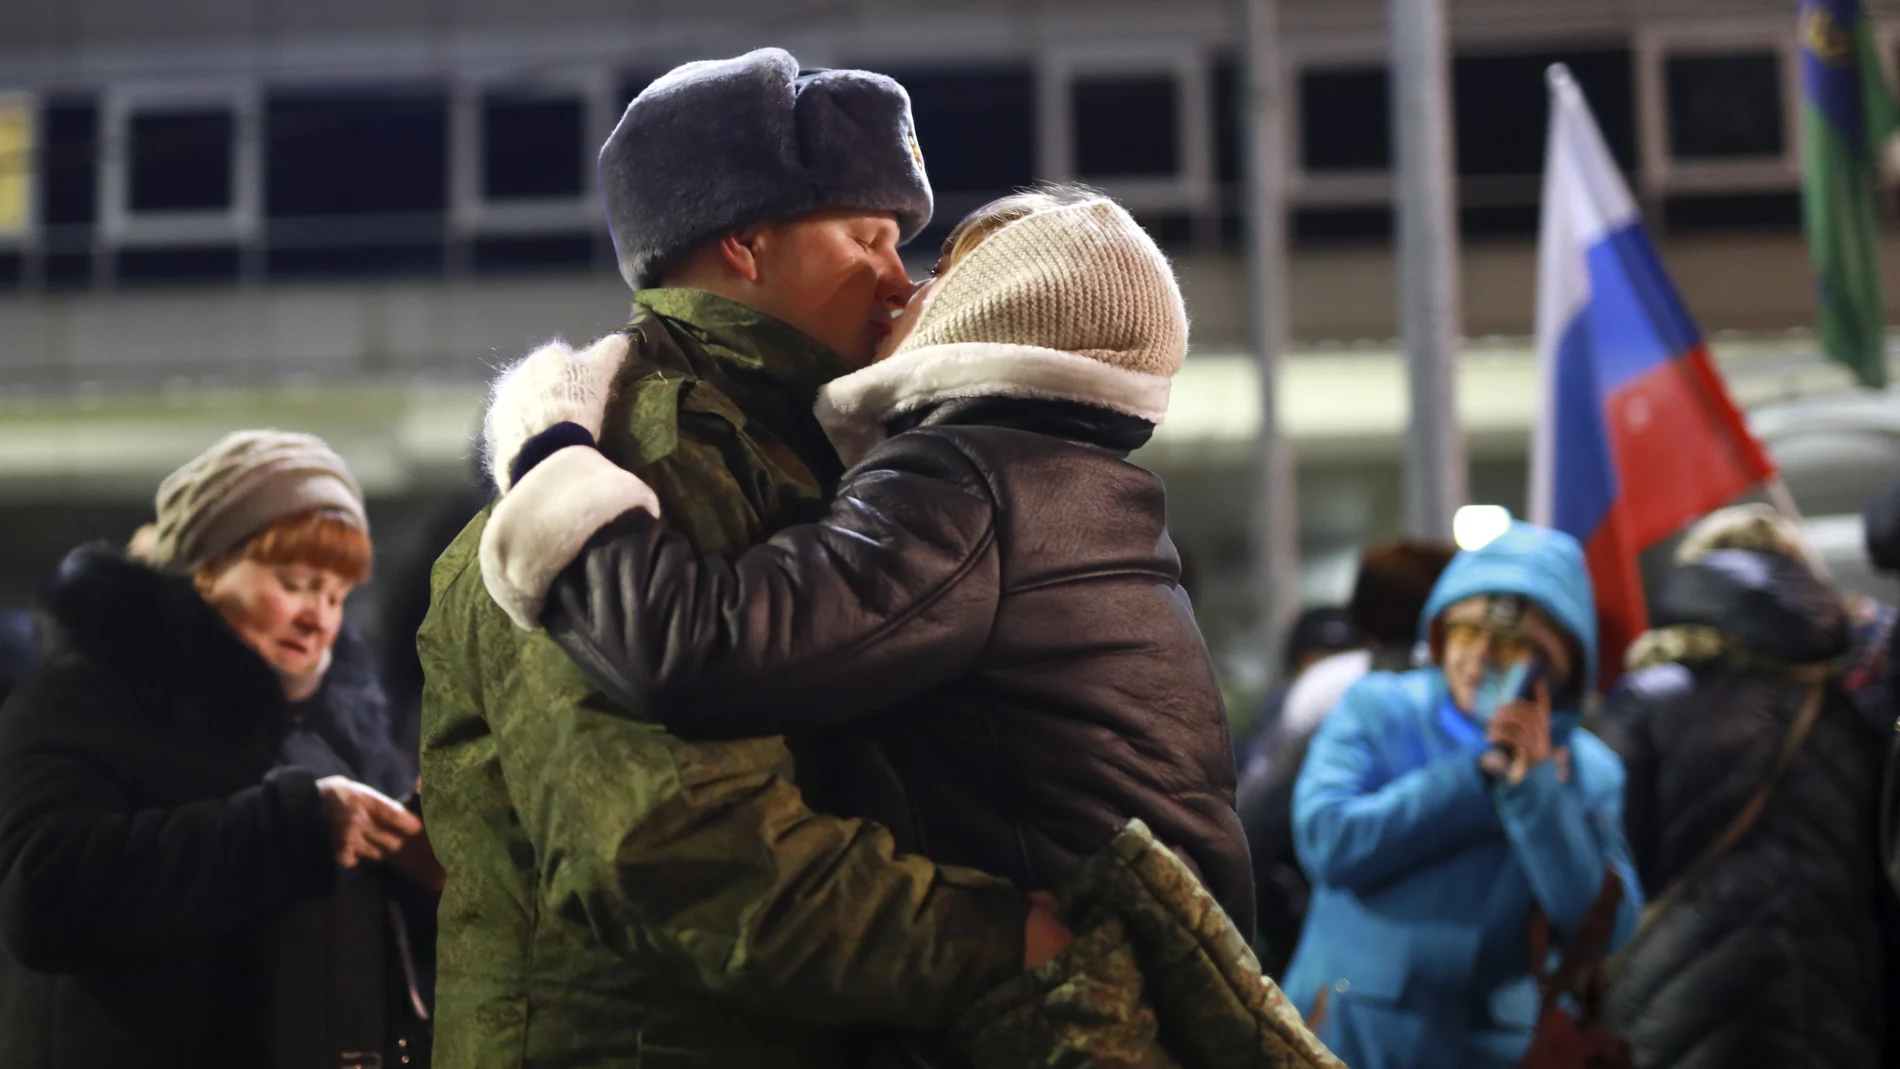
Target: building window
column 1340, row 226
column 1126, row 126
column 19, row 131
column 528, row 254
column 1503, row 107
column 1345, row 120
column 180, row 160
column 976, row 126
column 533, row 147
column 180, row 165
column 68, row 189
column 1229, row 86
column 356, row 183
column 356, row 153
column 1731, row 212
column 176, row 265
column 69, row 163
column 1724, row 106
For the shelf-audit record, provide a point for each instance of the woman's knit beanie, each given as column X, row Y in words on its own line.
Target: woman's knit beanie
column 1083, row 278
column 238, row 487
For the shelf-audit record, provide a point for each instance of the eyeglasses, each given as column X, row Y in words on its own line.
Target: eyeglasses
column 1503, row 647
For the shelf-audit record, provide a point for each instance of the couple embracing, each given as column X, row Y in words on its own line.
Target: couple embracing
column 820, row 690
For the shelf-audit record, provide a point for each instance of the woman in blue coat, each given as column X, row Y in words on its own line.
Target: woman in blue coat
column 1428, row 847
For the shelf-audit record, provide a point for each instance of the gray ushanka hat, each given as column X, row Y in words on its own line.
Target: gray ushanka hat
column 721, row 144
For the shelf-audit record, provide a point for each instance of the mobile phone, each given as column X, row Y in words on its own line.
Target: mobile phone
column 1534, row 674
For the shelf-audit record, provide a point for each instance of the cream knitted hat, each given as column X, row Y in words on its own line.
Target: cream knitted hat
column 1083, row 278
column 1073, row 303
column 239, row 486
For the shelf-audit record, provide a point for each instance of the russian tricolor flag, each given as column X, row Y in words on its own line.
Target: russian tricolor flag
column 1637, row 435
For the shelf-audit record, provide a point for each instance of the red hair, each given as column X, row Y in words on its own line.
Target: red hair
column 313, row 539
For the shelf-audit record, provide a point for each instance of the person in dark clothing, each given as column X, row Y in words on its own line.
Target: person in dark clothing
column 1881, row 528
column 199, row 854
column 1319, row 633
column 1765, row 949
column 378, row 920
column 18, row 654
column 1877, row 672
column 1395, row 580
column 407, row 604
column 984, row 639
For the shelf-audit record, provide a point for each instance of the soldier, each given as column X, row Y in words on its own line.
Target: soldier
column 664, row 902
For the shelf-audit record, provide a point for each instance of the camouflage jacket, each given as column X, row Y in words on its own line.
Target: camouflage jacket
column 618, row 896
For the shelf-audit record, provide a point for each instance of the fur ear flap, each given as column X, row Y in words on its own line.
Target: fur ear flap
column 553, row 384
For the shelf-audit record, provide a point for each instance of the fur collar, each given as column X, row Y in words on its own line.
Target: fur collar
column 157, row 637
column 855, row 409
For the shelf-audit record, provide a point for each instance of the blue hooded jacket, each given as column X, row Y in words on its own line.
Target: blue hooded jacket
column 1416, row 949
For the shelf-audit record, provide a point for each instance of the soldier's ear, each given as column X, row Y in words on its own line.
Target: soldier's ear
column 740, row 249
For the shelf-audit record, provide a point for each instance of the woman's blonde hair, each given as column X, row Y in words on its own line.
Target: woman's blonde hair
column 999, row 213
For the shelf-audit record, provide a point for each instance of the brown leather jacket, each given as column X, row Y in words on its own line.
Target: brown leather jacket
column 983, row 644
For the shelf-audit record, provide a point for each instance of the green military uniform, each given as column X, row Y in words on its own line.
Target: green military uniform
column 618, row 896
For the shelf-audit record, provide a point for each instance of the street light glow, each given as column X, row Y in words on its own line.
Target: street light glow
column 1475, row 526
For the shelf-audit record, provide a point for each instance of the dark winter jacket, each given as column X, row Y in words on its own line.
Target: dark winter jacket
column 406, row 605
column 344, row 728
column 167, row 893
column 18, row 652
column 1775, row 958
column 374, row 934
column 984, row 643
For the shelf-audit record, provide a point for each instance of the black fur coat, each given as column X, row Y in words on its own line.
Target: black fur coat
column 158, row 837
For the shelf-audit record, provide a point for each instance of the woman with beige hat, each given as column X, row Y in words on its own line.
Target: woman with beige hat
column 199, row 851
column 984, row 639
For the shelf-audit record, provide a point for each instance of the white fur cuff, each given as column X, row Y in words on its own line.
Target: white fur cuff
column 539, row 527
column 553, row 384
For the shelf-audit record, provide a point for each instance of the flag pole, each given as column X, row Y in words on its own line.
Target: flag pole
column 1783, row 502
column 1781, row 499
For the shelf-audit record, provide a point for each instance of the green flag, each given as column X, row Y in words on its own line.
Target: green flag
column 1847, row 116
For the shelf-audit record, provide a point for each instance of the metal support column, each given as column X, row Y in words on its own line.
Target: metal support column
column 1275, row 517
column 1436, row 478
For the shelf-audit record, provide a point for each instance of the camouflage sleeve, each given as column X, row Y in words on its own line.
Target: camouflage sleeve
column 703, row 861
